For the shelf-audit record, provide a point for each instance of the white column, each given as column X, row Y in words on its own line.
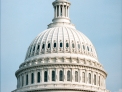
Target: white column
column 66, row 10
column 64, row 75
column 57, row 75
column 29, row 78
column 59, row 12
column 63, row 10
column 80, row 75
column 72, row 75
column 92, row 80
column 24, row 82
column 86, row 77
column 49, row 75
column 56, row 12
column 35, row 76
column 42, row 75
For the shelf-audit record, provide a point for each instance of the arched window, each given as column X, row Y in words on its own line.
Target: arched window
column 32, row 78
column 83, row 77
column 68, row 76
column 94, row 79
column 78, row 46
column 48, row 45
column 76, row 76
column 87, row 48
column 73, row 46
column 27, row 79
column 83, row 47
column 38, row 77
column 61, row 75
column 22, row 80
column 67, row 45
column 45, row 76
column 43, row 46
column 38, row 47
column 89, row 78
column 53, row 75
column 61, row 44
column 54, row 45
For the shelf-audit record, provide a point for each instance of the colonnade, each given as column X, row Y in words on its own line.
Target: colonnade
column 83, row 77
column 61, row 11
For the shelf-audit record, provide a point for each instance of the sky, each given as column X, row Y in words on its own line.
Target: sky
column 99, row 20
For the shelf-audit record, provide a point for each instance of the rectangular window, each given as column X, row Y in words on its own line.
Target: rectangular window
column 32, row 78
column 45, row 76
column 38, row 77
column 27, row 79
column 53, row 75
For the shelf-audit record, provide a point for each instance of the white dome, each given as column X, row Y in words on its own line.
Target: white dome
column 77, row 43
column 61, row 59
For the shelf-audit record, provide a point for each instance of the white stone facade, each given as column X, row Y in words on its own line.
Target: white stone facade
column 61, row 59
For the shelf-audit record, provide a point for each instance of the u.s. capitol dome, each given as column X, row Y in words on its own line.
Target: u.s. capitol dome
column 61, row 59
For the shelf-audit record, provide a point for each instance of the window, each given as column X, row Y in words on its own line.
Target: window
column 27, row 79
column 83, row 47
column 89, row 78
column 54, row 45
column 61, row 44
column 87, row 48
column 83, row 77
column 32, row 78
column 79, row 46
column 53, row 75
column 38, row 77
column 43, row 46
column 61, row 75
column 45, row 76
column 68, row 76
column 76, row 76
column 38, row 47
column 94, row 79
column 73, row 46
column 22, row 80
column 67, row 45
column 48, row 45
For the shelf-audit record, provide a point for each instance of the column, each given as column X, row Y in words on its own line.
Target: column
column 20, row 81
column 92, row 80
column 57, row 75
column 72, row 75
column 63, row 10
column 24, row 82
column 35, row 76
column 68, row 11
column 42, row 75
column 80, row 75
column 29, row 78
column 49, row 75
column 65, row 75
column 56, row 12
column 97, row 78
column 59, row 11
column 86, row 77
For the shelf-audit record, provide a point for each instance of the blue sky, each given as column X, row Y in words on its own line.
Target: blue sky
column 99, row 20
